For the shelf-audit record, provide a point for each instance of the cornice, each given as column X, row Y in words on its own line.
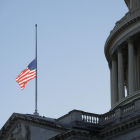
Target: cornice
column 127, row 2
column 114, row 130
column 125, row 22
column 73, row 133
column 25, row 118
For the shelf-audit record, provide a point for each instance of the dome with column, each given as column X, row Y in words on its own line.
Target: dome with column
column 122, row 51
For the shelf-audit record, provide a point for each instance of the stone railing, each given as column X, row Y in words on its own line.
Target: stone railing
column 127, row 109
column 90, row 118
column 77, row 116
column 109, row 117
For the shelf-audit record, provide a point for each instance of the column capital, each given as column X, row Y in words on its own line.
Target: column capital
column 114, row 57
column 120, row 49
column 130, row 40
column 110, row 65
column 138, row 50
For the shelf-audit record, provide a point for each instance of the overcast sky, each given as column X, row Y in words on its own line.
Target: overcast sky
column 72, row 69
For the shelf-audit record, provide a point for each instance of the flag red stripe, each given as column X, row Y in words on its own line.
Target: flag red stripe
column 26, row 80
column 22, row 74
column 25, row 76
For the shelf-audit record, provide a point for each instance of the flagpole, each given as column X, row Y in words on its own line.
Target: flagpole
column 36, row 71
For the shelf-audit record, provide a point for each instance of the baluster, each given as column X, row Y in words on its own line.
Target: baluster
column 133, row 107
column 88, row 118
column 128, row 109
column 93, row 119
column 84, row 118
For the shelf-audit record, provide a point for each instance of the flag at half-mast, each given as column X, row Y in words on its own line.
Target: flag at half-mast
column 26, row 75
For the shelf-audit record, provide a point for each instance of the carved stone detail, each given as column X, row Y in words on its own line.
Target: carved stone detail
column 138, row 50
column 114, row 57
column 136, row 3
column 27, row 134
column 120, row 49
column 130, row 40
column 18, row 134
column 123, row 23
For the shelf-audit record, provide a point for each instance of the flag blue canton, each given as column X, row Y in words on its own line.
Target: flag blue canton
column 32, row 65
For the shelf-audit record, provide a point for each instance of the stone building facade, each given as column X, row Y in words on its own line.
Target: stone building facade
column 122, row 122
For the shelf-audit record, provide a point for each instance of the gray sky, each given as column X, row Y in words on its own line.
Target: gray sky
column 72, row 70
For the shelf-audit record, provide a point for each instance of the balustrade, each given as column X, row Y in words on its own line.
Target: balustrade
column 128, row 109
column 96, row 119
column 90, row 118
column 109, row 117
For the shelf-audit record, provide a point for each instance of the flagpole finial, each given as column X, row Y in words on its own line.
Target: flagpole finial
column 35, row 113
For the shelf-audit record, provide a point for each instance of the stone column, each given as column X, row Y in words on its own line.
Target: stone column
column 111, row 95
column 127, row 82
column 138, row 69
column 120, row 75
column 131, row 67
column 114, row 81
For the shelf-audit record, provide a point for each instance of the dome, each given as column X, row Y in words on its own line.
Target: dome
column 122, row 51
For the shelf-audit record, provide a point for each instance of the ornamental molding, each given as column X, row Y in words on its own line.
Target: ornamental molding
column 130, row 40
column 138, row 50
column 18, row 118
column 120, row 49
column 122, row 40
column 115, row 130
column 127, row 2
column 73, row 134
column 129, row 19
column 114, row 57
column 18, row 134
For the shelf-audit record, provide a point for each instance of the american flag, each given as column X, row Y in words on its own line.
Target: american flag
column 26, row 75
